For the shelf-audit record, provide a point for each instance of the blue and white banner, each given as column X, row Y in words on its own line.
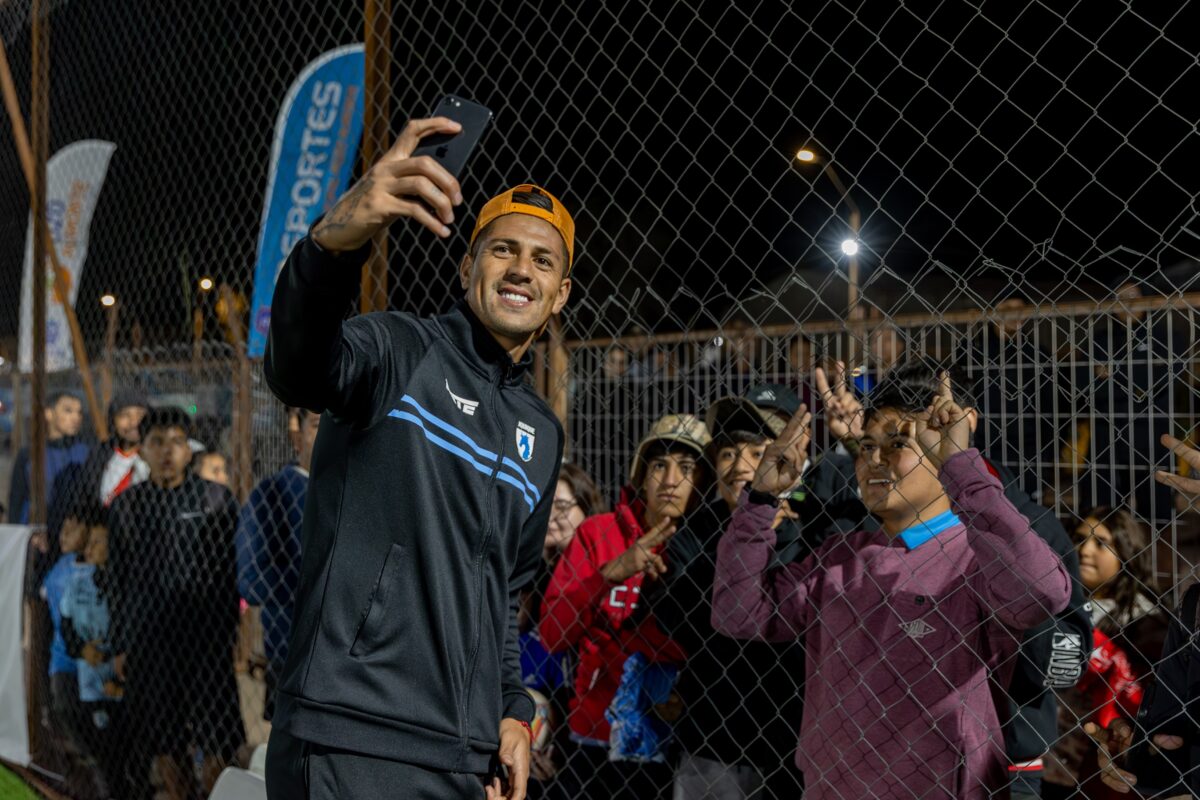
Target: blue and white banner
column 316, row 142
column 74, row 177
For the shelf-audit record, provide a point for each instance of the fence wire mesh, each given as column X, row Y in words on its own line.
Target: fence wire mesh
column 776, row 205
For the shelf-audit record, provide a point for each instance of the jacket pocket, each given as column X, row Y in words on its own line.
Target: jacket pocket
column 381, row 621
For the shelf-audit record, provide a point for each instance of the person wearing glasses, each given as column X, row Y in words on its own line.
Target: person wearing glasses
column 547, row 674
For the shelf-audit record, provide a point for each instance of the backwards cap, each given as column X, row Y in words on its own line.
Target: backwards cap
column 504, row 203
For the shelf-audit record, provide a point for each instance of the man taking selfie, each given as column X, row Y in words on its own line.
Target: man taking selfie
column 432, row 481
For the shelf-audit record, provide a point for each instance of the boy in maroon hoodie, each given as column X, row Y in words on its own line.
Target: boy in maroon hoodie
column 909, row 630
column 592, row 605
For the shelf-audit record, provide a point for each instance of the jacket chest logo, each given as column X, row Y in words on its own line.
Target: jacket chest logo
column 525, row 437
column 917, row 629
column 463, row 404
column 617, row 597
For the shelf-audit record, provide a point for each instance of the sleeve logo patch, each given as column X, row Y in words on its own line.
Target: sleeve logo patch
column 1066, row 660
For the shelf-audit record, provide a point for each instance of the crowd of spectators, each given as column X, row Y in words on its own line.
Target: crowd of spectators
column 838, row 582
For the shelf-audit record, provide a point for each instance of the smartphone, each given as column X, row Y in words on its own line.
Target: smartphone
column 453, row 150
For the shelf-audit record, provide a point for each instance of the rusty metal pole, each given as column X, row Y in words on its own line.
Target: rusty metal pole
column 377, row 111
column 853, row 309
column 18, row 414
column 37, row 634
column 559, row 378
column 110, row 343
column 40, row 122
column 61, row 278
column 243, row 407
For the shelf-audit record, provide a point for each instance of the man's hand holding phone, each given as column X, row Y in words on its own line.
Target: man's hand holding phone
column 398, row 185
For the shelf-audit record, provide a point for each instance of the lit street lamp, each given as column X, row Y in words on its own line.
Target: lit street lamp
column 108, row 300
column 850, row 245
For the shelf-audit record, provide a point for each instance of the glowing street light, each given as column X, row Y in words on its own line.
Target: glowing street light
column 108, row 300
column 849, row 245
column 206, row 284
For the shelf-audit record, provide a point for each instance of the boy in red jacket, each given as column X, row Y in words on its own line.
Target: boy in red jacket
column 592, row 598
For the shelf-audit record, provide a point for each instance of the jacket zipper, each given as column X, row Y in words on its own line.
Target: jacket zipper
column 473, row 663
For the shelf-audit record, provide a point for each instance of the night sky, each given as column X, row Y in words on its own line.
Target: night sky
column 990, row 147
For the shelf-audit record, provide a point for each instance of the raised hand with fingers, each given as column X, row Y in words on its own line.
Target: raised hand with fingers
column 782, row 464
column 642, row 555
column 1110, row 744
column 397, row 186
column 1185, row 452
column 843, row 411
column 945, row 427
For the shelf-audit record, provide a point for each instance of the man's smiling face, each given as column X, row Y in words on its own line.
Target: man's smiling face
column 514, row 281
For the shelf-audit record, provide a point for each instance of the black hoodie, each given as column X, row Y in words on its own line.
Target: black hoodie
column 1052, row 655
column 432, row 482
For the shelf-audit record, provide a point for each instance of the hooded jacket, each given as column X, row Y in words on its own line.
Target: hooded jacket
column 741, row 700
column 1053, row 653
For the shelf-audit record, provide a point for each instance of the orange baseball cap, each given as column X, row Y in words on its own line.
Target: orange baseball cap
column 503, row 203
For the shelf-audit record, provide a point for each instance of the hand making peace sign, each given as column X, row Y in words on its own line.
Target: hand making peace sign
column 843, row 411
column 945, row 427
column 782, row 465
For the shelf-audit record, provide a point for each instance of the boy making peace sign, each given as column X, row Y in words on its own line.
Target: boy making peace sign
column 908, row 629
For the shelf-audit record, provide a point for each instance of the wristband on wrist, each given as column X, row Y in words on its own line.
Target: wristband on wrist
column 762, row 498
column 528, row 729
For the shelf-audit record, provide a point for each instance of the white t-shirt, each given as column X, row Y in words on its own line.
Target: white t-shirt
column 122, row 471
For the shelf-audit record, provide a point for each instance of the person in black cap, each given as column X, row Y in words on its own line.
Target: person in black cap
column 740, row 699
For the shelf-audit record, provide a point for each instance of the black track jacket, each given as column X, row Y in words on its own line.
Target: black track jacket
column 432, row 482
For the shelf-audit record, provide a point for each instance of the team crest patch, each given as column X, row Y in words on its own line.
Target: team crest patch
column 525, row 441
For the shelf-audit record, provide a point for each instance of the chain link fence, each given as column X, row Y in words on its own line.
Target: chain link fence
column 767, row 196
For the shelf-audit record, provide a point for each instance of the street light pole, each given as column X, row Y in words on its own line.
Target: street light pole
column 852, row 309
column 854, row 312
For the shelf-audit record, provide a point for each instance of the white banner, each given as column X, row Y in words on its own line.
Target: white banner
column 14, row 731
column 74, row 176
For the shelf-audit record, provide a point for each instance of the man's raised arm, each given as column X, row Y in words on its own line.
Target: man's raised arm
column 313, row 360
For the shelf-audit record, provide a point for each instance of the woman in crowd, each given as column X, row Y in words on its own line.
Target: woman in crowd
column 592, row 598
column 1114, row 565
column 575, row 499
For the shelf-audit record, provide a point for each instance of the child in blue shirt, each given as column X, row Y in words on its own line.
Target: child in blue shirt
column 85, row 618
column 64, row 691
